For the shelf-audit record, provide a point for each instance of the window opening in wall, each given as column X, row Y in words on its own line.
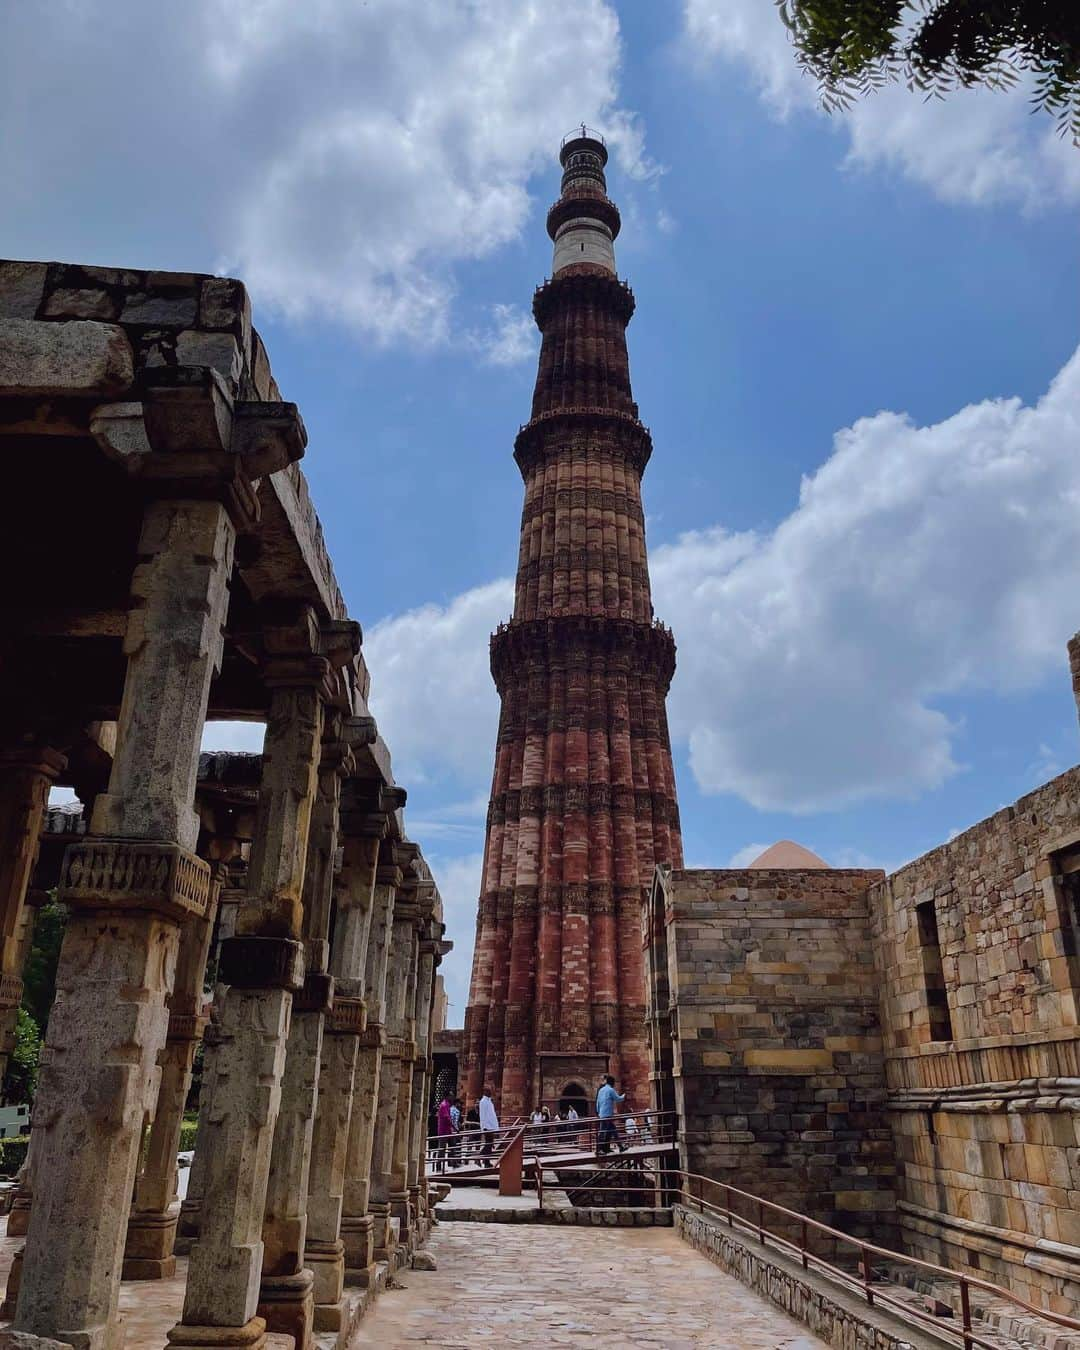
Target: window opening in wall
column 1067, row 868
column 937, row 1000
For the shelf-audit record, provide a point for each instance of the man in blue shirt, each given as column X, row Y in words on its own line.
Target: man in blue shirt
column 605, row 1109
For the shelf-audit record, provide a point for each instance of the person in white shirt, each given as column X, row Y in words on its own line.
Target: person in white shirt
column 489, row 1123
column 572, row 1116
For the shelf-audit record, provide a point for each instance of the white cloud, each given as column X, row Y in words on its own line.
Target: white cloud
column 343, row 156
column 431, row 690
column 458, row 880
column 919, row 563
column 976, row 146
column 743, row 857
column 510, row 339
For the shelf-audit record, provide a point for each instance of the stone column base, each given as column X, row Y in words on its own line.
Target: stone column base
column 384, row 1231
column 251, row 1336
column 326, row 1261
column 11, row 1297
column 358, row 1237
column 417, row 1218
column 19, row 1217
column 148, row 1249
column 28, row 1340
column 287, row 1305
column 187, row 1228
column 401, row 1210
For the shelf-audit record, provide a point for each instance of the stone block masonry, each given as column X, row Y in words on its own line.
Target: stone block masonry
column 763, row 997
column 976, row 955
column 898, row 1056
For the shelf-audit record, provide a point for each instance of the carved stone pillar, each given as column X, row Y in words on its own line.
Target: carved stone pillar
column 27, row 772
column 324, row 1253
column 135, row 878
column 187, row 1228
column 400, row 1199
column 148, row 1250
column 389, row 1164
column 421, row 1084
column 364, row 1210
column 262, row 966
column 286, row 1297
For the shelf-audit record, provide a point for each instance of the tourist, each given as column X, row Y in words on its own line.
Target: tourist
column 489, row 1124
column 469, row 1145
column 605, row 1109
column 572, row 1118
column 456, row 1124
column 444, row 1129
column 537, row 1117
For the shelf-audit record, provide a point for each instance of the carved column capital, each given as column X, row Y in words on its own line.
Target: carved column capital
column 188, row 438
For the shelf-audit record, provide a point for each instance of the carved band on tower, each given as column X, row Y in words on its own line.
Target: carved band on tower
column 583, row 799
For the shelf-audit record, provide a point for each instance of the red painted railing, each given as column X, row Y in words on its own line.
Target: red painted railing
column 479, row 1151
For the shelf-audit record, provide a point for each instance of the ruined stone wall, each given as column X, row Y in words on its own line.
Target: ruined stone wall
column 777, row 1052
column 111, row 324
column 975, row 950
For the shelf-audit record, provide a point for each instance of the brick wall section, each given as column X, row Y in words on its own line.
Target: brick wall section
column 777, row 1053
column 987, row 1121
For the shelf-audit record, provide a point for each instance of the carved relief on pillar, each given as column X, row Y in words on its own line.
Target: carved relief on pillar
column 347, row 1016
column 11, row 989
column 133, row 874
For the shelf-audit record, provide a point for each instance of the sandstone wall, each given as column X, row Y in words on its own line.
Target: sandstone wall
column 975, row 949
column 776, row 1047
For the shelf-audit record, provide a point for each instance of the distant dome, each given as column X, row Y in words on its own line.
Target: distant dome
column 790, row 855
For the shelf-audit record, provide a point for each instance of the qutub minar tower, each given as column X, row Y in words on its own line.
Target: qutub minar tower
column 583, row 794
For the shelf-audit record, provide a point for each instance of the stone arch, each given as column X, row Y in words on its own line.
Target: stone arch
column 573, row 1094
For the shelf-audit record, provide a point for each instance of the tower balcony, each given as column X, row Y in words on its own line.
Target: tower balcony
column 580, row 287
column 581, row 203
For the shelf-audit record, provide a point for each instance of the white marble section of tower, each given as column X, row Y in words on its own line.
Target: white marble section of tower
column 585, row 237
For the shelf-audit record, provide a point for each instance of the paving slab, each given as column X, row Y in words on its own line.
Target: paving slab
column 533, row 1286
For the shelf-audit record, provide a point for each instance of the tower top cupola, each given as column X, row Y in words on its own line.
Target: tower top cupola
column 584, row 222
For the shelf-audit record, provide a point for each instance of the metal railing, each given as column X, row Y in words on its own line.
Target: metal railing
column 756, row 1217
column 581, row 132
column 589, row 1136
column 861, row 1277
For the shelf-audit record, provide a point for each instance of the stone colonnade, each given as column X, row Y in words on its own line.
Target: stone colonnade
column 204, row 591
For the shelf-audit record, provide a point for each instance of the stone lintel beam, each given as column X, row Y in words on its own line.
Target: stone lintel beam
column 187, row 437
column 81, row 359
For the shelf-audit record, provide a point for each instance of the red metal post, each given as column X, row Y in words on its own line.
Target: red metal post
column 511, row 1164
column 965, row 1312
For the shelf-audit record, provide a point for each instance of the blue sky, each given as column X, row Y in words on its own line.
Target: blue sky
column 854, row 345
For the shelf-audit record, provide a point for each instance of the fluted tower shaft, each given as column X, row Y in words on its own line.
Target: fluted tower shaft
column 583, row 795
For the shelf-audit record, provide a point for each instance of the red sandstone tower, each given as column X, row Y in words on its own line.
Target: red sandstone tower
column 583, row 796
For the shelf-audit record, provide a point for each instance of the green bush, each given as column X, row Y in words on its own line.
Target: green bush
column 188, row 1131
column 21, row 1078
column 13, row 1153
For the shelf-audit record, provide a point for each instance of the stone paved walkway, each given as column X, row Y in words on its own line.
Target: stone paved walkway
column 533, row 1285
